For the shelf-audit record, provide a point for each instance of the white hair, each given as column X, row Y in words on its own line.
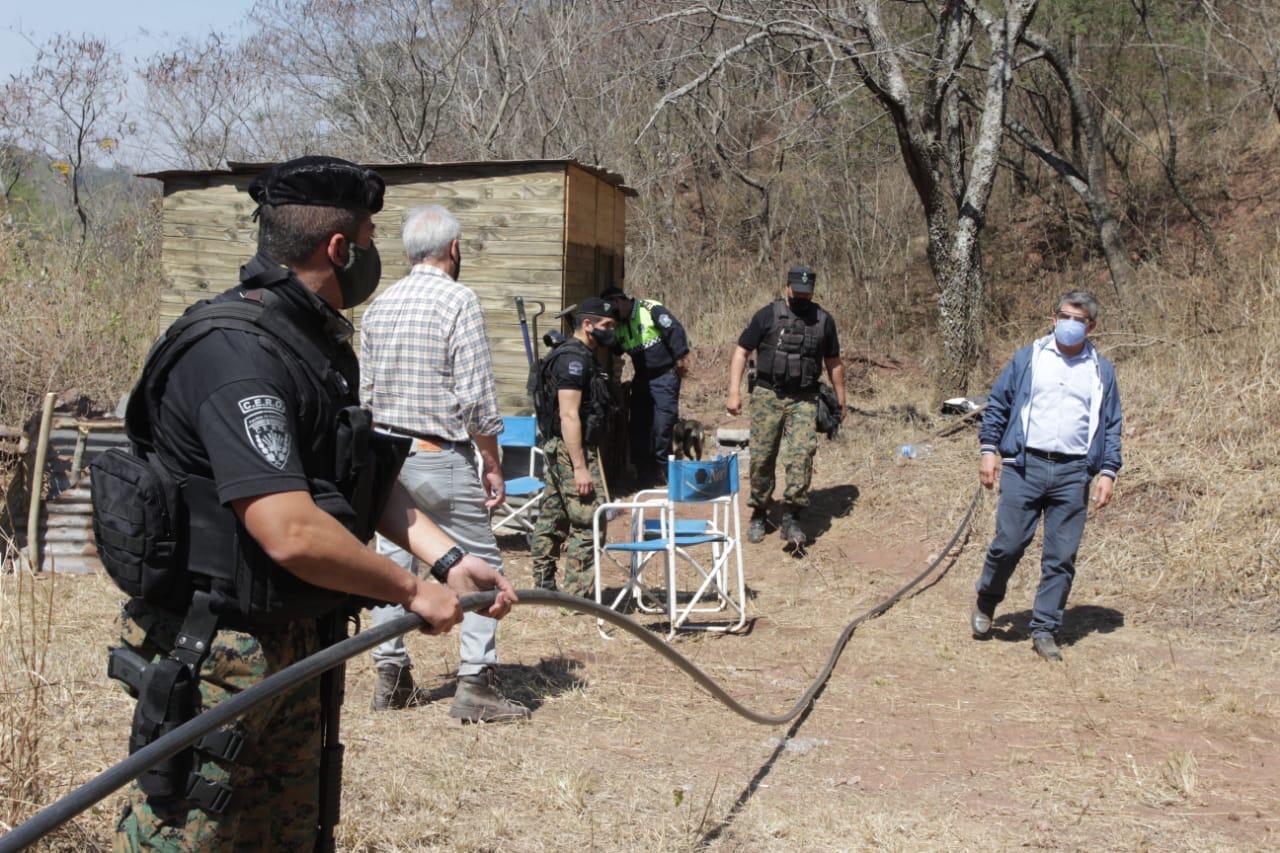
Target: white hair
column 428, row 231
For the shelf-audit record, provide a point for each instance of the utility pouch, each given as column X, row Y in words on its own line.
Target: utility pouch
column 168, row 694
column 136, row 524
column 829, row 413
column 599, row 411
column 751, row 377
column 367, row 465
column 166, row 700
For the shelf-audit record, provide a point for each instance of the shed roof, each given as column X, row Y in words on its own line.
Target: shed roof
column 235, row 167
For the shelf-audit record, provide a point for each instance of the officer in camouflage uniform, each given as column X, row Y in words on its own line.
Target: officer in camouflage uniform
column 280, row 797
column 794, row 340
column 574, row 408
column 251, row 416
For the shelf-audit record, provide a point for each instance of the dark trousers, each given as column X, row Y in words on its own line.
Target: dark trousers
column 1059, row 491
column 655, row 408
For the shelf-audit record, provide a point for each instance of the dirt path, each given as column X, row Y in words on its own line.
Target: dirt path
column 1147, row 736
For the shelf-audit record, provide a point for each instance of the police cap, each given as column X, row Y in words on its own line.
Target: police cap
column 801, row 279
column 319, row 181
column 595, row 306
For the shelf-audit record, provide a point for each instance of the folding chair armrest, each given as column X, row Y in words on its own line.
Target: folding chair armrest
column 631, row 505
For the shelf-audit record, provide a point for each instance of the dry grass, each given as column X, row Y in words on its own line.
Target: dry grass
column 1158, row 732
column 76, row 320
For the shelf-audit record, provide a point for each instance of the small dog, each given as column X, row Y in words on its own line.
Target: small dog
column 686, row 439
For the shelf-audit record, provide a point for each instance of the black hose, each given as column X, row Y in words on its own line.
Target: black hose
column 113, row 778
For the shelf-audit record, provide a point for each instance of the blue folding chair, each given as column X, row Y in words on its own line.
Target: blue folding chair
column 524, row 492
column 657, row 531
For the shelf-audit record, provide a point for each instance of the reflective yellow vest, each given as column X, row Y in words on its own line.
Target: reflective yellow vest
column 640, row 331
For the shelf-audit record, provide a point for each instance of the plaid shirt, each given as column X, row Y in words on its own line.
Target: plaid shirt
column 424, row 359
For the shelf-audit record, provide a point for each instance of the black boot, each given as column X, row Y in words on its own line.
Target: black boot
column 755, row 530
column 790, row 529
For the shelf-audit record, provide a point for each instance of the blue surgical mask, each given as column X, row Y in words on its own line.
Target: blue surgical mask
column 1069, row 333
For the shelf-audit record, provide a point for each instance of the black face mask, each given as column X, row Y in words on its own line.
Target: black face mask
column 798, row 305
column 359, row 278
column 604, row 337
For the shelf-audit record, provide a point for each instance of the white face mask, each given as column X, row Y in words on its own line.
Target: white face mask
column 1069, row 333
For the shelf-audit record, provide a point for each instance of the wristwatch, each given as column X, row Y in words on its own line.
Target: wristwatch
column 440, row 568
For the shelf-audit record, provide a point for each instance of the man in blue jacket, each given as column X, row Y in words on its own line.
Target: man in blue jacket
column 1052, row 424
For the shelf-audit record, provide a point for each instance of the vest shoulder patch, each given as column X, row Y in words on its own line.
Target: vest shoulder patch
column 267, row 428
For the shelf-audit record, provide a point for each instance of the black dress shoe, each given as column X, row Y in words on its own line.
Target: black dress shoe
column 1047, row 647
column 980, row 623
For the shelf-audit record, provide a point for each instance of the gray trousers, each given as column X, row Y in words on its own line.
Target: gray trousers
column 1060, row 492
column 446, row 487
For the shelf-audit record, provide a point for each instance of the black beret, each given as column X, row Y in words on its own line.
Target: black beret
column 597, row 307
column 319, row 181
column 801, row 279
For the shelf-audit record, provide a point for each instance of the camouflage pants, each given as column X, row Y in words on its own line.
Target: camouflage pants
column 565, row 515
column 275, row 783
column 782, row 425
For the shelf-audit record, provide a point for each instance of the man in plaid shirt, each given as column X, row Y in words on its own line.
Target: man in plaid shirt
column 426, row 372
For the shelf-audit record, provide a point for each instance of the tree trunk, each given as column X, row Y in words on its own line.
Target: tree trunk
column 1091, row 180
column 960, row 312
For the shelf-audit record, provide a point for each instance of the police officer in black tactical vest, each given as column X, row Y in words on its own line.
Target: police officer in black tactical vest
column 238, row 525
column 795, row 341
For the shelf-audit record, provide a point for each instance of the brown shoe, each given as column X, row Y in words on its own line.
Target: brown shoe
column 394, row 689
column 478, row 701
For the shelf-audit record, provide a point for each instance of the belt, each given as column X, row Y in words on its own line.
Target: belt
column 427, row 443
column 1054, row 456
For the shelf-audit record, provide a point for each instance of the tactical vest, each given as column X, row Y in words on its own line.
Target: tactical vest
column 789, row 358
column 640, row 331
column 162, row 533
column 596, row 411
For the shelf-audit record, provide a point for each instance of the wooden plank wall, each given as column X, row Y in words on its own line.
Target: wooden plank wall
column 513, row 226
column 595, row 228
column 595, row 235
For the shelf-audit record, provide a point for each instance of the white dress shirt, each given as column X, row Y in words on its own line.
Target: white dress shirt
column 1062, row 386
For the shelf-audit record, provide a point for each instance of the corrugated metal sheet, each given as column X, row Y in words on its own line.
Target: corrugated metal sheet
column 66, row 520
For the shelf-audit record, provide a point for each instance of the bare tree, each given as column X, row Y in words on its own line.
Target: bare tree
column 200, row 100
column 380, row 75
column 76, row 90
column 1167, row 151
column 1081, row 162
column 1251, row 29
column 15, row 119
column 919, row 83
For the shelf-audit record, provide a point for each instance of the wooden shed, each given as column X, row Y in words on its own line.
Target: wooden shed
column 548, row 230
